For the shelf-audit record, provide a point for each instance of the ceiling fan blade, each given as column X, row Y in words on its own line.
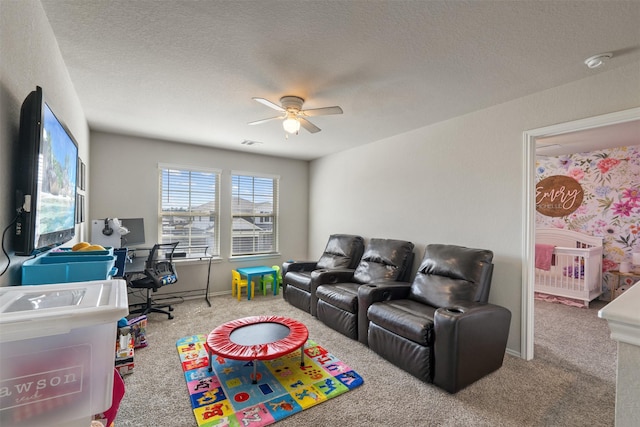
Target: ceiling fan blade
column 324, row 111
column 269, row 104
column 308, row 125
column 257, row 122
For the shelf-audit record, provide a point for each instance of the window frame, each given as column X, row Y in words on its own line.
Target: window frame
column 192, row 251
column 274, row 214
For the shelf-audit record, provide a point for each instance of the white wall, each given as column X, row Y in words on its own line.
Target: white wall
column 30, row 57
column 458, row 181
column 124, row 184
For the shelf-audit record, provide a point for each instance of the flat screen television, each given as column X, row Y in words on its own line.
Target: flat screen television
column 46, row 176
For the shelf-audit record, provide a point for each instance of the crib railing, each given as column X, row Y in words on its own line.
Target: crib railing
column 574, row 273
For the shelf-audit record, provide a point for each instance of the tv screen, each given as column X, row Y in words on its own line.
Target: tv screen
column 47, row 173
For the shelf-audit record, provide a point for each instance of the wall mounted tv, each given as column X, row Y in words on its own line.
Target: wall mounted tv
column 46, row 176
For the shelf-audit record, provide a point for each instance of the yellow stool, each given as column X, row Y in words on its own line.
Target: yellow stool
column 237, row 283
column 268, row 278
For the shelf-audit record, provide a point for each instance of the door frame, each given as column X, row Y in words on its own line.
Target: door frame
column 529, row 218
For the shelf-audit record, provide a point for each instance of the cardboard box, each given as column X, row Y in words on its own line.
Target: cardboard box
column 124, row 351
column 138, row 327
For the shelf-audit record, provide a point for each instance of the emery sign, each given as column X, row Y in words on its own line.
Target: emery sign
column 558, row 195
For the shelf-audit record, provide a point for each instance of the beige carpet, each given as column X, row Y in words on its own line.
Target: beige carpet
column 571, row 382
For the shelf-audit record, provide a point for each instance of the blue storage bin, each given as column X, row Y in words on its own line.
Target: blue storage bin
column 47, row 269
column 67, row 251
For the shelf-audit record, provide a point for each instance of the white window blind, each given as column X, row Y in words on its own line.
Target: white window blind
column 254, row 208
column 189, row 210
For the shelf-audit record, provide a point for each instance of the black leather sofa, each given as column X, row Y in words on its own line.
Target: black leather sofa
column 343, row 251
column 440, row 327
column 384, row 260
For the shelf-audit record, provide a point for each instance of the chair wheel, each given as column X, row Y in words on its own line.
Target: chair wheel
column 170, row 317
column 170, row 308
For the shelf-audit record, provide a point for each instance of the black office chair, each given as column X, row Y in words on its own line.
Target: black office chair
column 157, row 273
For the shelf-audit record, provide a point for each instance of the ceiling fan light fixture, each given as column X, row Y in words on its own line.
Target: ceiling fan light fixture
column 293, row 116
column 598, row 60
column 291, row 125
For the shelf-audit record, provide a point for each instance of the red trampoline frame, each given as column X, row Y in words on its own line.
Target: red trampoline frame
column 219, row 342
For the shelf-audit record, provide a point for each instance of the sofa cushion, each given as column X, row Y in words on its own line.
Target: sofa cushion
column 341, row 295
column 384, row 260
column 342, row 251
column 407, row 318
column 299, row 279
column 451, row 274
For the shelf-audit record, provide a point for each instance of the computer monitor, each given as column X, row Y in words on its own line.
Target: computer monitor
column 135, row 236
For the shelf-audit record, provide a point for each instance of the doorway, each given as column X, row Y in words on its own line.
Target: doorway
column 529, row 139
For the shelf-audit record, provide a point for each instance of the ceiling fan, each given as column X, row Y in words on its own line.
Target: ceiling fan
column 293, row 115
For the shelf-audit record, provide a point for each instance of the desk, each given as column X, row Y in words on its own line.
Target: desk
column 258, row 271
column 136, row 264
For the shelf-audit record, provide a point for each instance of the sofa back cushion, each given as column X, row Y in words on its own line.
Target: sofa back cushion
column 384, row 260
column 452, row 274
column 342, row 251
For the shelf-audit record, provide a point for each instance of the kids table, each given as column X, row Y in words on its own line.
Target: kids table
column 258, row 271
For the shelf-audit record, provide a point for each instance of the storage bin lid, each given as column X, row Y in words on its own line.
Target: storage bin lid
column 42, row 310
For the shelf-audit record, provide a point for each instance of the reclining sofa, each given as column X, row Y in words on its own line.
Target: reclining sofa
column 384, row 260
column 343, row 251
column 440, row 327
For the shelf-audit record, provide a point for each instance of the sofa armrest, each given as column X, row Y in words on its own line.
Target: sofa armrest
column 376, row 292
column 470, row 343
column 298, row 266
column 326, row 276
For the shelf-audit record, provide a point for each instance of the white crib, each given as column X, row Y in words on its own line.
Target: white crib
column 576, row 268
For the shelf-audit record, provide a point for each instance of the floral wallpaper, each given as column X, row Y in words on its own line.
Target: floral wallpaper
column 610, row 209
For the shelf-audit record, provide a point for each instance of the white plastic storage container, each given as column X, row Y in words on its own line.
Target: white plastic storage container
column 57, row 351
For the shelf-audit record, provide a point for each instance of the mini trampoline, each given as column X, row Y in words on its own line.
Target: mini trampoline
column 257, row 338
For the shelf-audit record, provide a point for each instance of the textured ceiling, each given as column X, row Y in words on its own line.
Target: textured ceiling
column 187, row 70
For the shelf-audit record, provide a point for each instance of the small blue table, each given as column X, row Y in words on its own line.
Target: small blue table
column 257, row 271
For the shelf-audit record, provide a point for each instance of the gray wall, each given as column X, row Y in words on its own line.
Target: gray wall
column 124, row 184
column 458, row 181
column 29, row 57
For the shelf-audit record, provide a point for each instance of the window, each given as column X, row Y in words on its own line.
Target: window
column 254, row 208
column 189, row 209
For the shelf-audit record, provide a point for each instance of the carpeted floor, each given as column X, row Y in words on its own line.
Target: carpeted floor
column 571, row 381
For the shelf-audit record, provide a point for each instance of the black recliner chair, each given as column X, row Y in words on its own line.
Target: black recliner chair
column 439, row 328
column 342, row 251
column 384, row 260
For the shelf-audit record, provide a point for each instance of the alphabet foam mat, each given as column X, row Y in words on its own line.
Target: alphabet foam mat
column 227, row 397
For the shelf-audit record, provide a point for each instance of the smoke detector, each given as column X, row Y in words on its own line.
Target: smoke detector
column 598, row 60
